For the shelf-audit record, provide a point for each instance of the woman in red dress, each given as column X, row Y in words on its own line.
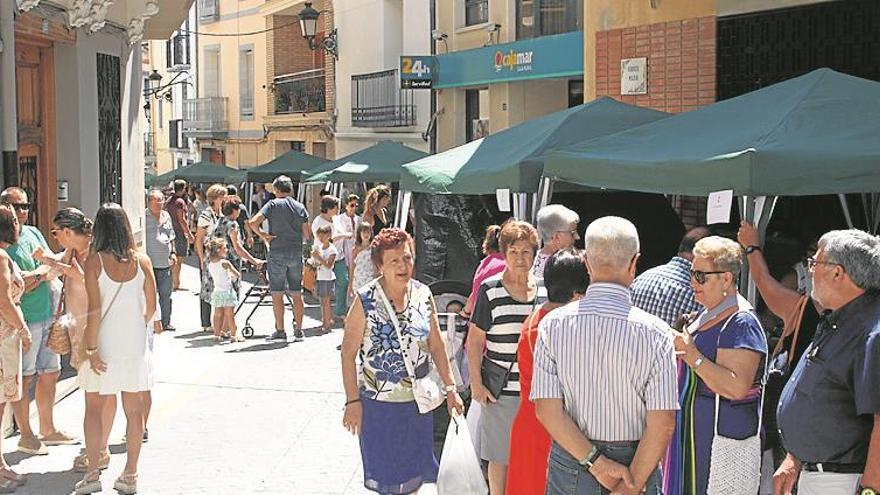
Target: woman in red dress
column 565, row 277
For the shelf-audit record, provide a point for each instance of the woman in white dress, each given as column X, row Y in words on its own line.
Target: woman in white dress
column 122, row 300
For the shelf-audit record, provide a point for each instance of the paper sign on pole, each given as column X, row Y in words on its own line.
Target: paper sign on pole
column 503, row 198
column 718, row 207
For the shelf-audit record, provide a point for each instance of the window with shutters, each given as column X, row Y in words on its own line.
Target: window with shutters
column 246, row 81
column 212, row 71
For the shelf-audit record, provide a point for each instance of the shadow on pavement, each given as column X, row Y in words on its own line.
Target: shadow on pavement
column 62, row 480
column 269, row 346
column 208, row 341
column 196, row 334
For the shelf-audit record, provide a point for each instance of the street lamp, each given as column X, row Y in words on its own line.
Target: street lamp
column 153, row 81
column 308, row 24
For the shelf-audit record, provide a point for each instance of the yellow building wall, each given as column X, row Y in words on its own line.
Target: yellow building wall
column 601, row 15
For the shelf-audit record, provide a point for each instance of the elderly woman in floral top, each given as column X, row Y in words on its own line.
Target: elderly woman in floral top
column 396, row 440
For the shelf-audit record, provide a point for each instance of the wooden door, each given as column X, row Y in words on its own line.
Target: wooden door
column 35, row 93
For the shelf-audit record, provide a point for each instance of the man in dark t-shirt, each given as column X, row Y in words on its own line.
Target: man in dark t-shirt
column 176, row 206
column 288, row 227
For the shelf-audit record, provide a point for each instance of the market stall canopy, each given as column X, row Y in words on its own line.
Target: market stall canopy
column 514, row 158
column 815, row 134
column 291, row 164
column 378, row 163
column 203, row 172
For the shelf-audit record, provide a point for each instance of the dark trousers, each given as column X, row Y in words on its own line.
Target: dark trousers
column 164, row 288
column 205, row 308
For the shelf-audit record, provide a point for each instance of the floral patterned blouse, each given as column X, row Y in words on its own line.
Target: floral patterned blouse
column 384, row 375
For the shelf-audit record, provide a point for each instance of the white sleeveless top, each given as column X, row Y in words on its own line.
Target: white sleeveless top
column 122, row 338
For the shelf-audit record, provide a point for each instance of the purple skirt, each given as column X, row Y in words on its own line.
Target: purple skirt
column 396, row 447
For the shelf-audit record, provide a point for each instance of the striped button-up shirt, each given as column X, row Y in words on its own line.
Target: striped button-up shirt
column 665, row 291
column 609, row 362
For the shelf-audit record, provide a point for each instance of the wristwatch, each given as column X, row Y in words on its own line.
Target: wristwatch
column 91, row 352
column 697, row 363
column 588, row 461
column 449, row 388
column 752, row 249
column 867, row 491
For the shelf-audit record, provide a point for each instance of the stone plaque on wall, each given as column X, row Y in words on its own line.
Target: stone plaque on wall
column 634, row 76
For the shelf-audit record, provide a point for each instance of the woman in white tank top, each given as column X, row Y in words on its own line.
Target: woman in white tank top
column 122, row 300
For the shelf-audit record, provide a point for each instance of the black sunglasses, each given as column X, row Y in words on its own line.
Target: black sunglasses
column 700, row 276
column 21, row 206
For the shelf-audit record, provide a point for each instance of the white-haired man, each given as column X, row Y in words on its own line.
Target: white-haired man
column 557, row 228
column 604, row 382
column 829, row 412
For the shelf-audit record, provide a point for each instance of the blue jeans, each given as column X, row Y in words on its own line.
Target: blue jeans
column 163, row 287
column 566, row 477
column 340, row 269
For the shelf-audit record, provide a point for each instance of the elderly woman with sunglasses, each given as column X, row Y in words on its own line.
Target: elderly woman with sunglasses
column 724, row 352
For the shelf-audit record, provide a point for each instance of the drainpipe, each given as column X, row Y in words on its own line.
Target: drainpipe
column 8, row 114
column 433, row 136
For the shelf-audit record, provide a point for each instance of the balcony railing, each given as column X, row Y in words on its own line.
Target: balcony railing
column 149, row 147
column 205, row 117
column 378, row 101
column 302, row 92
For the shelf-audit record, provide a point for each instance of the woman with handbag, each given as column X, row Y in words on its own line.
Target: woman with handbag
column 725, row 350
column 73, row 231
column 503, row 303
column 15, row 337
column 392, row 328
column 121, row 291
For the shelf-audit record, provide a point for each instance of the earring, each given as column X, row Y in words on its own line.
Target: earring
column 725, row 293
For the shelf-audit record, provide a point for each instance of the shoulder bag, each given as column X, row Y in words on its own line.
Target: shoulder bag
column 496, row 376
column 58, row 340
column 736, row 464
column 428, row 389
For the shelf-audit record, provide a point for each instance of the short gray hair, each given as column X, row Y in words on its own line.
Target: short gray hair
column 283, row 184
column 611, row 242
column 724, row 254
column 156, row 192
column 555, row 218
column 858, row 252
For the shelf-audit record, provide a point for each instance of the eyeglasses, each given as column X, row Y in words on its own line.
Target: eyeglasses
column 573, row 233
column 700, row 276
column 21, row 206
column 812, row 262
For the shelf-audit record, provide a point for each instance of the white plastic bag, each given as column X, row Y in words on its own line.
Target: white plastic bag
column 473, row 423
column 460, row 472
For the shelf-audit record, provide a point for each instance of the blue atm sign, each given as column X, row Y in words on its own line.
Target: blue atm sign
column 416, row 72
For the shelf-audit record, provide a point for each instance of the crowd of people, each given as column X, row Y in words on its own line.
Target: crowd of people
column 589, row 379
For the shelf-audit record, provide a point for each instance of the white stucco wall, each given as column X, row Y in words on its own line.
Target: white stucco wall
column 373, row 34
column 77, row 123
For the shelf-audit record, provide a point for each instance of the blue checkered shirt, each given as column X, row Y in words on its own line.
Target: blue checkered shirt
column 665, row 291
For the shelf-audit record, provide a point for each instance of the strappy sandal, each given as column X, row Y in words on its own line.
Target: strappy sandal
column 91, row 483
column 126, row 483
column 8, row 486
column 81, row 462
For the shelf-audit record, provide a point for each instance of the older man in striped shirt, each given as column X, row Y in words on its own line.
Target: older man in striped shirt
column 604, row 380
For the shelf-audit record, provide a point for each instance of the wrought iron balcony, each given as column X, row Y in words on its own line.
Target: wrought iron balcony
column 301, row 92
column 388, row 116
column 378, row 101
column 149, row 148
column 205, row 117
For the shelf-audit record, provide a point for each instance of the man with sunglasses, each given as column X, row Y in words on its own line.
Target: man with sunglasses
column 36, row 304
column 829, row 412
column 665, row 291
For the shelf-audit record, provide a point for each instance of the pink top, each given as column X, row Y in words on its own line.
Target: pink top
column 492, row 264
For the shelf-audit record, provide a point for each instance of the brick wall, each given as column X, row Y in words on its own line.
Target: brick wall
column 292, row 53
column 681, row 63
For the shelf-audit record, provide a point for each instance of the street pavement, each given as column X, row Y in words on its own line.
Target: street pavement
column 255, row 417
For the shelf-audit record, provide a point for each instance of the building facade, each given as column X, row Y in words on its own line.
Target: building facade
column 261, row 90
column 371, row 106
column 500, row 63
column 174, row 62
column 71, row 93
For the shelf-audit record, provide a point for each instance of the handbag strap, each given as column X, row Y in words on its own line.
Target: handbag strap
column 792, row 330
column 60, row 300
column 389, row 308
column 763, row 377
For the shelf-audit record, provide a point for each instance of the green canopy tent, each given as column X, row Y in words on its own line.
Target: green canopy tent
column 378, row 163
column 514, row 158
column 291, row 164
column 206, row 172
column 814, row 134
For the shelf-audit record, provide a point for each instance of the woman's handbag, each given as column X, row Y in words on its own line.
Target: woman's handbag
column 494, row 376
column 59, row 332
column 735, row 467
column 427, row 389
column 310, row 277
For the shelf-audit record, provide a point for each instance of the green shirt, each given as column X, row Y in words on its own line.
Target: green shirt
column 36, row 304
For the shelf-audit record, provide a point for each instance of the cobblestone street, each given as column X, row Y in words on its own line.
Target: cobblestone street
column 254, row 417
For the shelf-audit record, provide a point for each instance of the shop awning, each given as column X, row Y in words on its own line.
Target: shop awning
column 814, row 134
column 291, row 164
column 378, row 163
column 514, row 158
column 202, row 172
